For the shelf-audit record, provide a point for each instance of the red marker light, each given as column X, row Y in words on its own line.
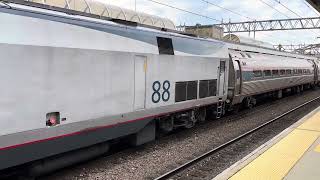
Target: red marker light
column 53, row 120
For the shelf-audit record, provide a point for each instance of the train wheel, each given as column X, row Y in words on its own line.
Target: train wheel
column 250, row 102
column 201, row 114
column 236, row 108
column 191, row 122
column 166, row 125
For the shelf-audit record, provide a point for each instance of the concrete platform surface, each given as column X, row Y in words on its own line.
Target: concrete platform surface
column 292, row 155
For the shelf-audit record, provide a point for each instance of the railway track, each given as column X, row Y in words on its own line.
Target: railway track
column 191, row 163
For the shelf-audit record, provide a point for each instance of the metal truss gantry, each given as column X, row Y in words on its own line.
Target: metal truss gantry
column 309, row 49
column 271, row 25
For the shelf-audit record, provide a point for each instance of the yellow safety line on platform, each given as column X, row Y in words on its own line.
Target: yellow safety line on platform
column 317, row 149
column 312, row 124
column 277, row 161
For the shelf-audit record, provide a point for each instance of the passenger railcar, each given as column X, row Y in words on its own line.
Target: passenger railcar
column 256, row 73
column 71, row 81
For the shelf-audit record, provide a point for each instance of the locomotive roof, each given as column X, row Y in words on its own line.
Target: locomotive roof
column 99, row 10
column 71, row 14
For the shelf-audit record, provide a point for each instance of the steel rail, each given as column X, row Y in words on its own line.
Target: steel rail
column 186, row 165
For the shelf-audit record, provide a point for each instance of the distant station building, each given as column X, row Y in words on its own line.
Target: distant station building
column 210, row 31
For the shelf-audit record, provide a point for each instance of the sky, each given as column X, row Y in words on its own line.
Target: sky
column 254, row 9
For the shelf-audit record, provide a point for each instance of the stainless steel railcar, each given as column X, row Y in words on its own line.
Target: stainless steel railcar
column 70, row 82
column 257, row 72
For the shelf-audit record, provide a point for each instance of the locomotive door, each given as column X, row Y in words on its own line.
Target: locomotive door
column 222, row 70
column 238, row 77
column 316, row 71
column 140, row 63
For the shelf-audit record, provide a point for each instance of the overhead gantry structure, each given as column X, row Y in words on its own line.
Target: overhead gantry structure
column 271, row 25
column 309, row 49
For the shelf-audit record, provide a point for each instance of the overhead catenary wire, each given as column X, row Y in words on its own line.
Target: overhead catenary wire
column 226, row 9
column 316, row 12
column 280, row 11
column 269, row 35
column 212, row 18
column 278, row 1
column 274, row 8
column 234, row 12
column 184, row 10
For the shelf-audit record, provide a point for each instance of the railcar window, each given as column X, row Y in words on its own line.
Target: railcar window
column 257, row 73
column 181, row 91
column 295, row 71
column 267, row 73
column 203, row 88
column 282, row 72
column 165, row 46
column 207, row 88
column 288, row 71
column 249, row 55
column 299, row 71
column 212, row 87
column 242, row 55
column 187, row 90
column 305, row 71
column 192, row 90
column 308, row 71
column 275, row 72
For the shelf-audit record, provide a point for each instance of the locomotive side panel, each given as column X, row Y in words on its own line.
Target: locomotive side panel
column 80, row 84
column 169, row 71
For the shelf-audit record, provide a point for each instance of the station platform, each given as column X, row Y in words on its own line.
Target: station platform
column 292, row 155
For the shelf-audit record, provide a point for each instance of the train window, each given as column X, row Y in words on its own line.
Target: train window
column 222, row 66
column 186, row 91
column 213, row 87
column 192, row 90
column 299, row 71
column 308, row 71
column 203, row 88
column 257, row 73
column 267, row 73
column 249, row 55
column 242, row 55
column 282, row 72
column 295, row 71
column 304, row 71
column 288, row 71
column 165, row 46
column 181, row 91
column 207, row 88
column 275, row 72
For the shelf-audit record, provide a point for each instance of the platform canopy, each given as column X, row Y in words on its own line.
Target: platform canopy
column 246, row 40
column 108, row 11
